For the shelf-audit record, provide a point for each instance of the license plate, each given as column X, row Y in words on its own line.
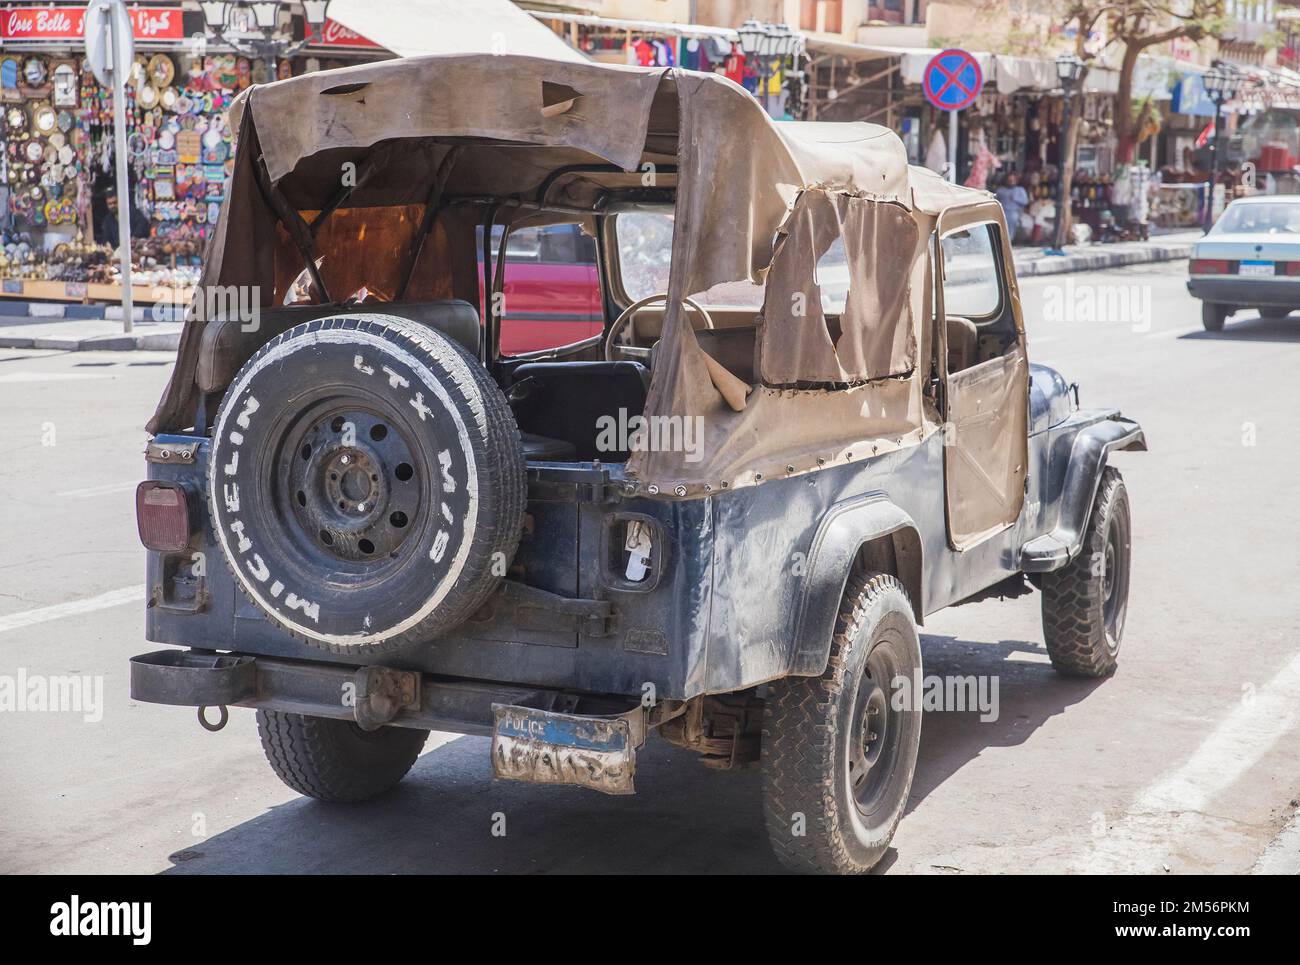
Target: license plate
column 544, row 747
column 1255, row 268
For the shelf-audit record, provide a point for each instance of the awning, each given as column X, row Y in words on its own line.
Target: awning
column 659, row 28
column 410, row 28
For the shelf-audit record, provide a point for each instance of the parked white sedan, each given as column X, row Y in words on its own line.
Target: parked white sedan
column 1249, row 259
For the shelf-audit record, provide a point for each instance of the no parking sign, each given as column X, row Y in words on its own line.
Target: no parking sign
column 951, row 82
column 952, row 79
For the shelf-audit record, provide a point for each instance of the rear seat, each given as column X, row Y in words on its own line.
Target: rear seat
column 225, row 345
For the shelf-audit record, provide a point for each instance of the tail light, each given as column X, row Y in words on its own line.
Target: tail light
column 1289, row 267
column 1210, row 266
column 162, row 515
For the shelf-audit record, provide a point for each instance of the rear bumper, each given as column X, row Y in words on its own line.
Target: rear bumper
column 371, row 696
column 1247, row 292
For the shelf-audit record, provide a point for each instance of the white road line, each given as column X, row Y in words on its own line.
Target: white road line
column 16, row 621
column 1142, row 839
column 99, row 490
column 51, row 376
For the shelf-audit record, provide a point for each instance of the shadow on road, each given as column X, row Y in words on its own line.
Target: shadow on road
column 684, row 819
column 1255, row 329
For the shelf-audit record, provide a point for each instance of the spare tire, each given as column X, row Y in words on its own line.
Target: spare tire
column 366, row 482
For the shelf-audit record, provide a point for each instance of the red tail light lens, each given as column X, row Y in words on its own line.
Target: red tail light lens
column 162, row 514
column 1210, row 266
column 1289, row 267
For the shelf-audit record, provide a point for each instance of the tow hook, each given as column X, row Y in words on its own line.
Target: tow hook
column 1074, row 388
column 223, row 718
column 382, row 694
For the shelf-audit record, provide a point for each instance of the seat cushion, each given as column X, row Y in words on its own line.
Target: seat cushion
column 225, row 345
column 567, row 400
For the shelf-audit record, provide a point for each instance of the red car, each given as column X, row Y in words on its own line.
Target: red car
column 552, row 289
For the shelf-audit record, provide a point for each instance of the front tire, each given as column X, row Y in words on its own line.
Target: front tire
column 1213, row 316
column 1085, row 603
column 838, row 756
column 335, row 760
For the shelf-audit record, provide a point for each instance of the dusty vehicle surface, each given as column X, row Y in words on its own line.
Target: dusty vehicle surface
column 809, row 421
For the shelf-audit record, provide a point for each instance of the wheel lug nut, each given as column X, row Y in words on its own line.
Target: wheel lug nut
column 345, row 459
column 361, row 507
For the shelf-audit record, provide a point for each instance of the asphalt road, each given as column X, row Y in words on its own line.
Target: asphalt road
column 1188, row 759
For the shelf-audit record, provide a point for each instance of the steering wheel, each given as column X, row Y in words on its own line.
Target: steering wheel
column 621, row 322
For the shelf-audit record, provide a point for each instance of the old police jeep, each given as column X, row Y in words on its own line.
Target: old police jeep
column 366, row 521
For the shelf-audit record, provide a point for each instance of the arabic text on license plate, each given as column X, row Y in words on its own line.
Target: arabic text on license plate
column 1255, row 268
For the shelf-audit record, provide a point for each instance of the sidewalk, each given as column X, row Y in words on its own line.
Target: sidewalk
column 86, row 334
column 25, row 325
column 1164, row 247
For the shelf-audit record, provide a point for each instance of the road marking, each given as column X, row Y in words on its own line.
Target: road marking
column 16, row 621
column 99, row 490
column 1141, row 840
column 51, row 376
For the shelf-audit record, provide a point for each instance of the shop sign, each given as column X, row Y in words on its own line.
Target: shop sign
column 334, row 34
column 28, row 24
column 1189, row 97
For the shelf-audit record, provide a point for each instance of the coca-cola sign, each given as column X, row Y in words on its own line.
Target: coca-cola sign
column 67, row 23
column 334, row 34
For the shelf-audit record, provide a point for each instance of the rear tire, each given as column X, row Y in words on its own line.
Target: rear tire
column 838, row 758
column 1213, row 316
column 1086, row 602
column 335, row 760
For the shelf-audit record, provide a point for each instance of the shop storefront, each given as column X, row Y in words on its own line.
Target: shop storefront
column 57, row 186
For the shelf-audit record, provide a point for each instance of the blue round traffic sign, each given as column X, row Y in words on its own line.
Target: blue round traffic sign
column 952, row 80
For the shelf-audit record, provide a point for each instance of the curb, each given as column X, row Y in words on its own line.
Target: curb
column 155, row 342
column 1093, row 261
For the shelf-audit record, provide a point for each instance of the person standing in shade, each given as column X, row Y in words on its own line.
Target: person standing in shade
column 1014, row 199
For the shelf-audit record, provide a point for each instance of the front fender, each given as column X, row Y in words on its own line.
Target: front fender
column 842, row 533
column 1089, row 454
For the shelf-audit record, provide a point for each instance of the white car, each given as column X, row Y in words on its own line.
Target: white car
column 1249, row 259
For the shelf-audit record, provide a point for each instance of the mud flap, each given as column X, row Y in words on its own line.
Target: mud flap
column 546, row 747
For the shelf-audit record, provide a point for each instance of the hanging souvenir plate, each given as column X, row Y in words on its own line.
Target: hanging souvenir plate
column 183, row 105
column 57, row 139
column 166, row 139
column 169, row 97
column 34, row 150
column 44, row 119
column 147, row 97
column 67, row 155
column 214, row 211
column 212, row 137
column 66, row 85
column 51, row 154
column 16, row 119
column 161, row 70
column 35, row 72
column 66, row 121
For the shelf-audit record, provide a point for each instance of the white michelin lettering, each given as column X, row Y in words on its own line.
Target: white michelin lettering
column 396, row 381
column 232, row 467
column 276, row 589
column 444, row 460
column 359, row 364
column 446, row 513
column 237, row 438
column 439, row 545
column 257, row 566
column 230, row 492
column 245, row 544
column 295, row 602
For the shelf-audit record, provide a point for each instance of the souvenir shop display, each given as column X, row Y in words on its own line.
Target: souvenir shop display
column 57, row 125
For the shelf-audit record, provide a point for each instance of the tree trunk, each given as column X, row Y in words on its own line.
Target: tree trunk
column 1069, row 138
column 1125, row 133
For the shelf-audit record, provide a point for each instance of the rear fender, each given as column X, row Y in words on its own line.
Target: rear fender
column 888, row 535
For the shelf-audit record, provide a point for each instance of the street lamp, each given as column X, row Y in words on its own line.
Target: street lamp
column 765, row 42
column 1069, row 68
column 1222, row 82
column 271, row 46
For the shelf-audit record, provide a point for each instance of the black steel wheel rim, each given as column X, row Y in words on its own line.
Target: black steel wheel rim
column 876, row 730
column 1114, row 580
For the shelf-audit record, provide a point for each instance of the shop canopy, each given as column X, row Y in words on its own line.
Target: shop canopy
column 411, row 28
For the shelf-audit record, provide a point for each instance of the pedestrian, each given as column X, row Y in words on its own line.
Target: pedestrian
column 106, row 228
column 1014, row 199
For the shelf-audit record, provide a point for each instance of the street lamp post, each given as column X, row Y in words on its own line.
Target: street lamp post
column 1221, row 81
column 271, row 47
column 766, row 42
column 1068, row 70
